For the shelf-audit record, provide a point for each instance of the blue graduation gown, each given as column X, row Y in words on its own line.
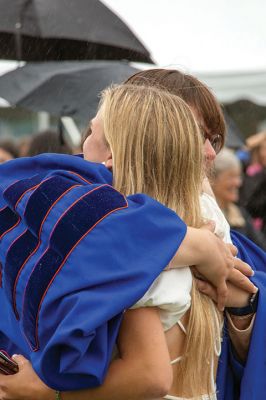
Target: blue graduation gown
column 247, row 382
column 74, row 255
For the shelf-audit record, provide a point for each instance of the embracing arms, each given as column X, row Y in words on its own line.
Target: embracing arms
column 143, row 370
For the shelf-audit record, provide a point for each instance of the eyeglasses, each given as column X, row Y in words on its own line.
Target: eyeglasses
column 215, row 140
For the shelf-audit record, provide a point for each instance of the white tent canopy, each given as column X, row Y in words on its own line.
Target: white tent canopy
column 230, row 87
column 223, row 42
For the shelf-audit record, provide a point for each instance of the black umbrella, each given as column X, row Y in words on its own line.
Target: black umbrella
column 62, row 88
column 46, row 30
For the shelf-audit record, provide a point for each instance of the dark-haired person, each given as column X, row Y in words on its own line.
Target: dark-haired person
column 47, row 142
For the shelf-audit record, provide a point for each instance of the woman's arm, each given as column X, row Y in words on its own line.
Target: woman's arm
column 239, row 327
column 142, row 372
column 240, row 331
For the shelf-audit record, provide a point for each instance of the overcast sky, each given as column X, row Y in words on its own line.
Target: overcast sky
column 200, row 35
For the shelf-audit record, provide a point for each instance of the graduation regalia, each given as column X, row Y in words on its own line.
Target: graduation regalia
column 234, row 380
column 74, row 254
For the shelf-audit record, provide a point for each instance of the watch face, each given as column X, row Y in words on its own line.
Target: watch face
column 253, row 301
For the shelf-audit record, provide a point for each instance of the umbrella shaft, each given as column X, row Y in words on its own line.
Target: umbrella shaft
column 18, row 41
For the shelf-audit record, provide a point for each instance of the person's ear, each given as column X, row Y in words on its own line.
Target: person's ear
column 109, row 161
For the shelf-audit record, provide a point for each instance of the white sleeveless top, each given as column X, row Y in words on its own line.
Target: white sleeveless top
column 170, row 292
column 211, row 211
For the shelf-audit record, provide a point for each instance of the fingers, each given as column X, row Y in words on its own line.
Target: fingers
column 243, row 267
column 19, row 359
column 222, row 294
column 241, row 281
column 207, row 288
column 233, row 249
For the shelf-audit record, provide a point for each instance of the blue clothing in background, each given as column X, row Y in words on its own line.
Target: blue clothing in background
column 246, row 382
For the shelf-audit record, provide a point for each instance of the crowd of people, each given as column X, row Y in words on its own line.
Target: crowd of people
column 122, row 279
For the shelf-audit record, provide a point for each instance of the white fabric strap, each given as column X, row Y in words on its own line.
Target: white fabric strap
column 176, row 360
column 181, row 326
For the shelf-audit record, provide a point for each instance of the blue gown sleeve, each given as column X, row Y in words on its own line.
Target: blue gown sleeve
column 74, row 255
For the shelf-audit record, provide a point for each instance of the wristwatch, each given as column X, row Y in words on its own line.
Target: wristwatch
column 251, row 308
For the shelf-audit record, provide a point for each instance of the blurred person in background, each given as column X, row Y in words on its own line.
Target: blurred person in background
column 227, row 179
column 256, row 204
column 257, row 145
column 23, row 145
column 48, row 142
column 252, row 192
column 8, row 149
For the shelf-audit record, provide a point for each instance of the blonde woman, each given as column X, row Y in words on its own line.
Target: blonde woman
column 152, row 142
column 167, row 164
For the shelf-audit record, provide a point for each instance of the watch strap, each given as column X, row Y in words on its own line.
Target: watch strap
column 251, row 308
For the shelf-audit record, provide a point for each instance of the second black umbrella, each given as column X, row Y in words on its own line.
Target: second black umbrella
column 62, row 88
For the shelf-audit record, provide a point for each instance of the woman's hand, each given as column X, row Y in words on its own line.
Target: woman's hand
column 25, row 385
column 214, row 260
column 236, row 279
column 236, row 296
column 218, row 265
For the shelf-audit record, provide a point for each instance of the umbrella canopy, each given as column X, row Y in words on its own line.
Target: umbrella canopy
column 46, row 30
column 62, row 88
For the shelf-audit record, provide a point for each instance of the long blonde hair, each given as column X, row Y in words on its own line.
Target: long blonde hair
column 157, row 149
